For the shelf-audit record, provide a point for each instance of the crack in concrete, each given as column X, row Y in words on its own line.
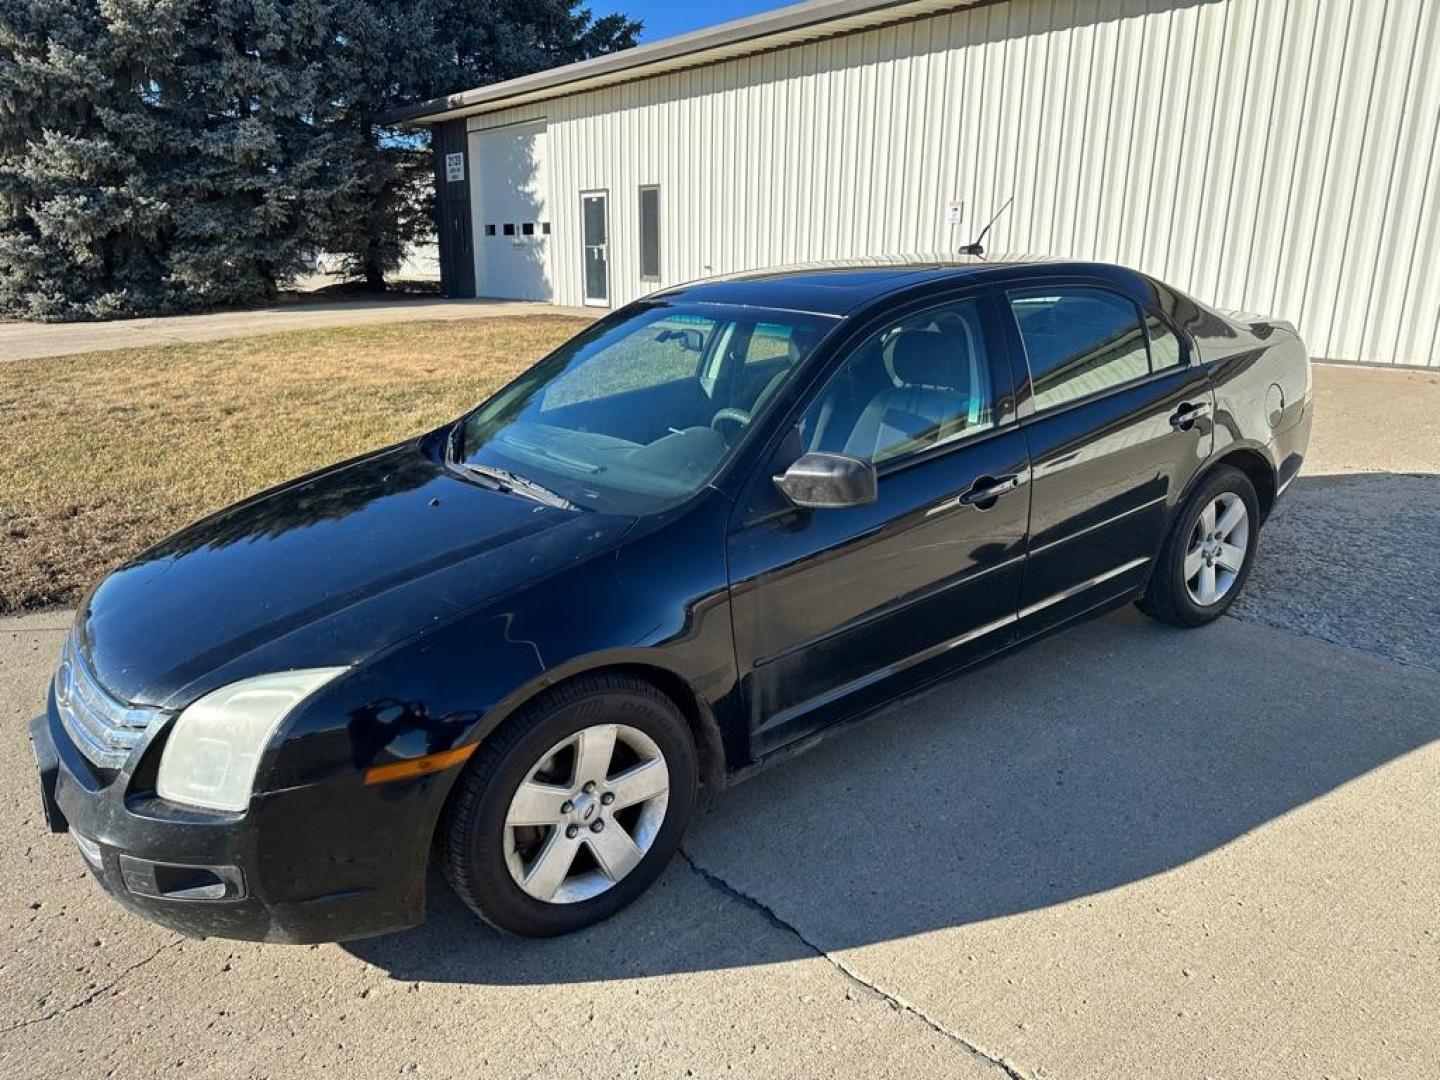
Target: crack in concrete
column 95, row 994
column 973, row 1049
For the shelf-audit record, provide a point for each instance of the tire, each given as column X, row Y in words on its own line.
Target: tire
column 491, row 862
column 1174, row 597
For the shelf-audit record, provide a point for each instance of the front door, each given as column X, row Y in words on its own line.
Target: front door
column 1119, row 423
column 837, row 610
column 595, row 221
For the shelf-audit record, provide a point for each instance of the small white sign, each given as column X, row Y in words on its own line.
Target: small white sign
column 454, row 167
column 955, row 212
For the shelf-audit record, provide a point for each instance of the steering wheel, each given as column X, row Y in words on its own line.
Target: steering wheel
column 728, row 415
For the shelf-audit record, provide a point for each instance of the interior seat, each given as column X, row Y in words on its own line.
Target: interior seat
column 934, row 399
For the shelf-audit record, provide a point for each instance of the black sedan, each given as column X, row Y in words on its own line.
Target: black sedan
column 691, row 541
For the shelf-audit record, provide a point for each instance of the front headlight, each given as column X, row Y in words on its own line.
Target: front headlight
column 211, row 757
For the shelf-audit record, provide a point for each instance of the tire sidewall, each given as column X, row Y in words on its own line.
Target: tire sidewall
column 506, row 904
column 1222, row 481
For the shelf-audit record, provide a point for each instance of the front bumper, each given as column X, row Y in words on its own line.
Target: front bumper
column 321, row 862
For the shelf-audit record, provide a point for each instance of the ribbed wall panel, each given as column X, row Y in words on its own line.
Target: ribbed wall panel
column 1280, row 156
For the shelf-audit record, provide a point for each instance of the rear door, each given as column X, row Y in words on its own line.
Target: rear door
column 1117, row 415
column 838, row 610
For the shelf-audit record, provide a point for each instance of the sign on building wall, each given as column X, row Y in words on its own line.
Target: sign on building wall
column 955, row 212
column 454, row 167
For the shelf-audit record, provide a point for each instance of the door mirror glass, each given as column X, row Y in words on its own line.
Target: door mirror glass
column 828, row 482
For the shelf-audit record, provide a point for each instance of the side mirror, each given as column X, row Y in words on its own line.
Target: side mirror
column 828, row 482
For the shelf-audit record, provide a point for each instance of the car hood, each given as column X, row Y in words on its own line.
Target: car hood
column 323, row 571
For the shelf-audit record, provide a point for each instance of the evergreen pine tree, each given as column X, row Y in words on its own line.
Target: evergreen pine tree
column 160, row 155
column 82, row 226
column 170, row 155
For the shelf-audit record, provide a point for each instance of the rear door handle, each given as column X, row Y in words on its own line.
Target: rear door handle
column 987, row 489
column 1183, row 418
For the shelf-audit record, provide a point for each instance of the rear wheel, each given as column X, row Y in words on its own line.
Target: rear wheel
column 1207, row 557
column 572, row 807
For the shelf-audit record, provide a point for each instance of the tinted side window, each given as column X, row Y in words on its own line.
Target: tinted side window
column 1078, row 341
column 1165, row 348
column 918, row 383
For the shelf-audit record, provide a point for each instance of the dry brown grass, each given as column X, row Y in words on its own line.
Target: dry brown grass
column 104, row 453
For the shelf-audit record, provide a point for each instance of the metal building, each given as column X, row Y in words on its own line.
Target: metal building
column 1268, row 155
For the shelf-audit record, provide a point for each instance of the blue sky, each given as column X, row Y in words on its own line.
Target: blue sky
column 666, row 18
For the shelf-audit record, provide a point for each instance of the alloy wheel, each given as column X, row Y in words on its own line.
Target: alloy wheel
column 586, row 813
column 1217, row 549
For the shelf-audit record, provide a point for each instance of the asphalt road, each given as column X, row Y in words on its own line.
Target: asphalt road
column 1127, row 851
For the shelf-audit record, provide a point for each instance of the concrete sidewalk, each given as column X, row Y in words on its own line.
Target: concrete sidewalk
column 28, row 341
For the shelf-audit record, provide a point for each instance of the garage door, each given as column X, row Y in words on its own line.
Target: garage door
column 511, row 215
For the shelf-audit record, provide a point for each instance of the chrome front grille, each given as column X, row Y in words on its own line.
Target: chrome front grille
column 104, row 729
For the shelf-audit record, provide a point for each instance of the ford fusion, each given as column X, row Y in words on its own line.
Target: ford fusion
column 704, row 532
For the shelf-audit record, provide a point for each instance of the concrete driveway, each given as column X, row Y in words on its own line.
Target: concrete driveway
column 1129, row 851
column 28, row 341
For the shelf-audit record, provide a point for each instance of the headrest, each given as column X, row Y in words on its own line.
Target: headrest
column 802, row 340
column 925, row 358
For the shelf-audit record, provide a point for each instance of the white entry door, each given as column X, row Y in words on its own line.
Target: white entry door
column 595, row 222
column 510, row 192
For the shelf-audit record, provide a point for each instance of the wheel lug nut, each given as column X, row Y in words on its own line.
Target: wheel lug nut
column 597, row 825
column 589, row 786
column 572, row 831
column 607, row 798
column 566, row 806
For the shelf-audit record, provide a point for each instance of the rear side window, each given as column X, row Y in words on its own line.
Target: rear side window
column 1165, row 348
column 1078, row 342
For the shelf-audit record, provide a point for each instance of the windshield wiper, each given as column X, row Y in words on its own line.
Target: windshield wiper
column 503, row 480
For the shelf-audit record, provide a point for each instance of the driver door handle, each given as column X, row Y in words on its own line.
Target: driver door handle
column 987, row 489
column 1185, row 416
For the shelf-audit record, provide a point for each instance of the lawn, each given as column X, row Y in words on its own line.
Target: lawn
column 104, row 453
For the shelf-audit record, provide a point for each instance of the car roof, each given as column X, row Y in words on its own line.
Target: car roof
column 839, row 288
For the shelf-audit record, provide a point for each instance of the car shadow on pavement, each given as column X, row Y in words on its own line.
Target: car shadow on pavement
column 1113, row 752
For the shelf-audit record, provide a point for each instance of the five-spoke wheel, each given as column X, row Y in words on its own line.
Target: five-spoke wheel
column 587, row 813
column 572, row 806
column 1218, row 544
column 1207, row 555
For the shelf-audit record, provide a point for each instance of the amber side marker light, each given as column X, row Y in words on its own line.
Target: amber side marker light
column 420, row 766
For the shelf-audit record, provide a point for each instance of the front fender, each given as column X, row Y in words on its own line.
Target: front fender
column 659, row 601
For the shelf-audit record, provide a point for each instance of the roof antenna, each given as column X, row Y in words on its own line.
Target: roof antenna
column 976, row 247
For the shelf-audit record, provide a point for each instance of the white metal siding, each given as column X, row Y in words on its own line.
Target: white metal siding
column 1278, row 156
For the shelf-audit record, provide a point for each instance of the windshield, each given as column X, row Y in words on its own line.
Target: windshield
column 639, row 411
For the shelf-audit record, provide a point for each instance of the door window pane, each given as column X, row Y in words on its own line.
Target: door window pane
column 918, row 383
column 1078, row 342
column 650, row 233
column 770, row 341
column 594, row 207
column 596, row 239
column 1165, row 348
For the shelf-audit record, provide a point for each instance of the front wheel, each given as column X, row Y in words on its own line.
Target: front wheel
column 1207, row 556
column 572, row 807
